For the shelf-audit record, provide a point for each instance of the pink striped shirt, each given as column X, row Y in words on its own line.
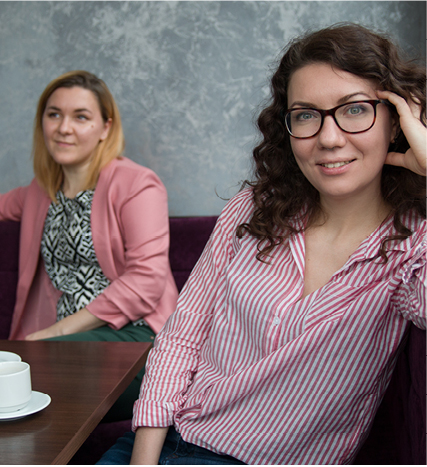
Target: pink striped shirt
column 246, row 368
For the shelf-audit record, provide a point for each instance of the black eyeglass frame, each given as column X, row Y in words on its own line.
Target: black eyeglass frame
column 331, row 112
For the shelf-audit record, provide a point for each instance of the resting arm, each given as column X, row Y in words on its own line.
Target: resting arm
column 411, row 295
column 138, row 275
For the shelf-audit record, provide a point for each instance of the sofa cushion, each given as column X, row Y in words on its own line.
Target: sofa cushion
column 188, row 237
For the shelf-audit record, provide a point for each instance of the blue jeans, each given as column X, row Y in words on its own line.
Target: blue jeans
column 175, row 451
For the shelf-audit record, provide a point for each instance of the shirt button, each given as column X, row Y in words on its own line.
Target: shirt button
column 276, row 320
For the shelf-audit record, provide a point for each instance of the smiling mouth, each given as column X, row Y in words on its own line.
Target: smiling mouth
column 334, row 165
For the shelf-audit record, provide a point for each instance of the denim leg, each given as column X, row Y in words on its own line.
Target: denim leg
column 120, row 453
column 206, row 457
column 176, row 451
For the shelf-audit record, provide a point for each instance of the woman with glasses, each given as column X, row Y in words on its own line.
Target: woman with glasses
column 286, row 334
column 94, row 242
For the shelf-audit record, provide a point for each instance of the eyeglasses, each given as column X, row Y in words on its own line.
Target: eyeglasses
column 353, row 117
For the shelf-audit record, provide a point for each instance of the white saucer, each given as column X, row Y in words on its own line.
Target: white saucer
column 37, row 402
column 9, row 356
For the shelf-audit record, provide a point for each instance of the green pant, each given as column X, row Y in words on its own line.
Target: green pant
column 123, row 408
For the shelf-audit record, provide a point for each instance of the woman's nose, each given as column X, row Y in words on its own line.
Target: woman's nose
column 65, row 126
column 331, row 135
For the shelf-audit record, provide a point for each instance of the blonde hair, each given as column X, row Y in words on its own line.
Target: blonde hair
column 49, row 173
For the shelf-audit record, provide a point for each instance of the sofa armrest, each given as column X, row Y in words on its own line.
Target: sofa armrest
column 408, row 387
column 9, row 262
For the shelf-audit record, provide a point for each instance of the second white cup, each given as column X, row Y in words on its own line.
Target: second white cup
column 9, row 356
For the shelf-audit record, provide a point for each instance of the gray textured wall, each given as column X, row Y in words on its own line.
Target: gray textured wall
column 189, row 77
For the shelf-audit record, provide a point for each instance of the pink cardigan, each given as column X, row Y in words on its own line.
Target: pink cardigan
column 130, row 232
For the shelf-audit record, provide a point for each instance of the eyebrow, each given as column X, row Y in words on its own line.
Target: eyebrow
column 342, row 100
column 52, row 107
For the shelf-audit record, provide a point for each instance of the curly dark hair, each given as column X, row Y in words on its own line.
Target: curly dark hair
column 280, row 191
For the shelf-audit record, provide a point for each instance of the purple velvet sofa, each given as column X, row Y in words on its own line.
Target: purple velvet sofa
column 399, row 429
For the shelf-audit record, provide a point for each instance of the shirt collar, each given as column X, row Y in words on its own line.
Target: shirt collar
column 371, row 246
column 374, row 241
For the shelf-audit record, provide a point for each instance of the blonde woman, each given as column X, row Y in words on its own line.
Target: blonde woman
column 94, row 226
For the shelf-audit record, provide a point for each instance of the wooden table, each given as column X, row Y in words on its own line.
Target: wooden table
column 84, row 379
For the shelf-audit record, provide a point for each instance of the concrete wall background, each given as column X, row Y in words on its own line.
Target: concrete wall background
column 189, row 77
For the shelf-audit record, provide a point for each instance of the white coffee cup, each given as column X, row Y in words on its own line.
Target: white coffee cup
column 9, row 356
column 15, row 386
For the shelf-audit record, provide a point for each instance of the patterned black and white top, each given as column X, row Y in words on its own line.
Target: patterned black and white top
column 69, row 255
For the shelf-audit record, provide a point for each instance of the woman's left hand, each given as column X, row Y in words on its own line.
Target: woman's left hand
column 414, row 158
column 81, row 321
column 51, row 331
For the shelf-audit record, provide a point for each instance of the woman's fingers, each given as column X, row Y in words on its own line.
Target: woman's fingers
column 415, row 132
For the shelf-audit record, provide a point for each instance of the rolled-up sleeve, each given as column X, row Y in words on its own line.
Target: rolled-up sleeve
column 410, row 296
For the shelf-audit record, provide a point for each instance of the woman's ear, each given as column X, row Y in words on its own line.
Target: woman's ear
column 106, row 130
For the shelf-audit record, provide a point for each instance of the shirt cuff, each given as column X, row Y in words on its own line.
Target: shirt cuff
column 153, row 414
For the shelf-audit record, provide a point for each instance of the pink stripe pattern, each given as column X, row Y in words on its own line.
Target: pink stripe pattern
column 245, row 367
